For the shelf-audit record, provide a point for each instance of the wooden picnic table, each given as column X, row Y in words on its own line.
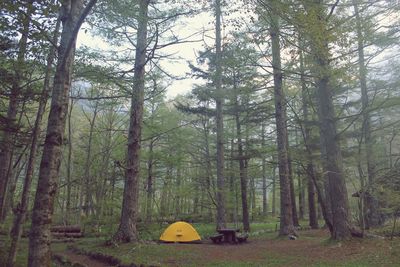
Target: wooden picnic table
column 229, row 234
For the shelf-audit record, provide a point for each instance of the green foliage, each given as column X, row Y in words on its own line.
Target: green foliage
column 181, row 132
column 387, row 190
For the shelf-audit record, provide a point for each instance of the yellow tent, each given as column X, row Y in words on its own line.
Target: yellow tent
column 180, row 232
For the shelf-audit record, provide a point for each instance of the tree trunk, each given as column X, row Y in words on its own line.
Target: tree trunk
column 286, row 216
column 209, row 176
column 273, row 190
column 178, row 200
column 252, row 184
column 7, row 147
column 323, row 207
column 336, row 187
column 16, row 169
column 292, row 192
column 69, row 165
column 301, row 197
column 242, row 169
column 72, row 17
column 330, row 148
column 198, row 194
column 127, row 228
column 232, row 187
column 372, row 216
column 312, row 212
column 149, row 195
column 164, row 195
column 105, row 168
column 22, row 206
column 221, row 220
column 264, row 173
column 113, row 181
column 88, row 200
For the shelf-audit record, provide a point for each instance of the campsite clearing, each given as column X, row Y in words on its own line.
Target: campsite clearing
column 311, row 249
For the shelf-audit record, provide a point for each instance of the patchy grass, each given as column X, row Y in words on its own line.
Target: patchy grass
column 22, row 254
column 311, row 249
column 387, row 230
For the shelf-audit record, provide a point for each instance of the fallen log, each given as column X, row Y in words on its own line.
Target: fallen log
column 74, row 235
column 66, row 235
column 66, row 228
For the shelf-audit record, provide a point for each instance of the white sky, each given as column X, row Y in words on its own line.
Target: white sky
column 182, row 52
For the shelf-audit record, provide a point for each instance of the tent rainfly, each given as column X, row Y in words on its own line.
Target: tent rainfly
column 180, row 232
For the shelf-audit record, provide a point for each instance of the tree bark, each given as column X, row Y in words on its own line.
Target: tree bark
column 264, row 173
column 113, row 181
column 209, row 177
column 372, row 216
column 7, row 147
column 301, row 197
column 292, row 192
column 336, row 187
column 22, row 206
column 15, row 170
column 232, row 200
column 312, row 212
column 164, row 208
column 178, row 200
column 88, row 200
column 102, row 196
column 286, row 216
column 72, row 17
column 149, row 195
column 69, row 165
column 221, row 220
column 330, row 147
column 273, row 208
column 242, row 168
column 127, row 231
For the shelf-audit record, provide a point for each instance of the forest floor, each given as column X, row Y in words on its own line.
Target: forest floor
column 313, row 248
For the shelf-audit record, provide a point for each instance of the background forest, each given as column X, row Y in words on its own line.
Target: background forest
column 289, row 116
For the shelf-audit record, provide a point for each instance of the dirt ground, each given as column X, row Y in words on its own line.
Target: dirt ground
column 312, row 249
column 82, row 259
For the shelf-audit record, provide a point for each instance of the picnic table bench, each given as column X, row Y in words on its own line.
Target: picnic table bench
column 242, row 238
column 216, row 239
column 229, row 234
